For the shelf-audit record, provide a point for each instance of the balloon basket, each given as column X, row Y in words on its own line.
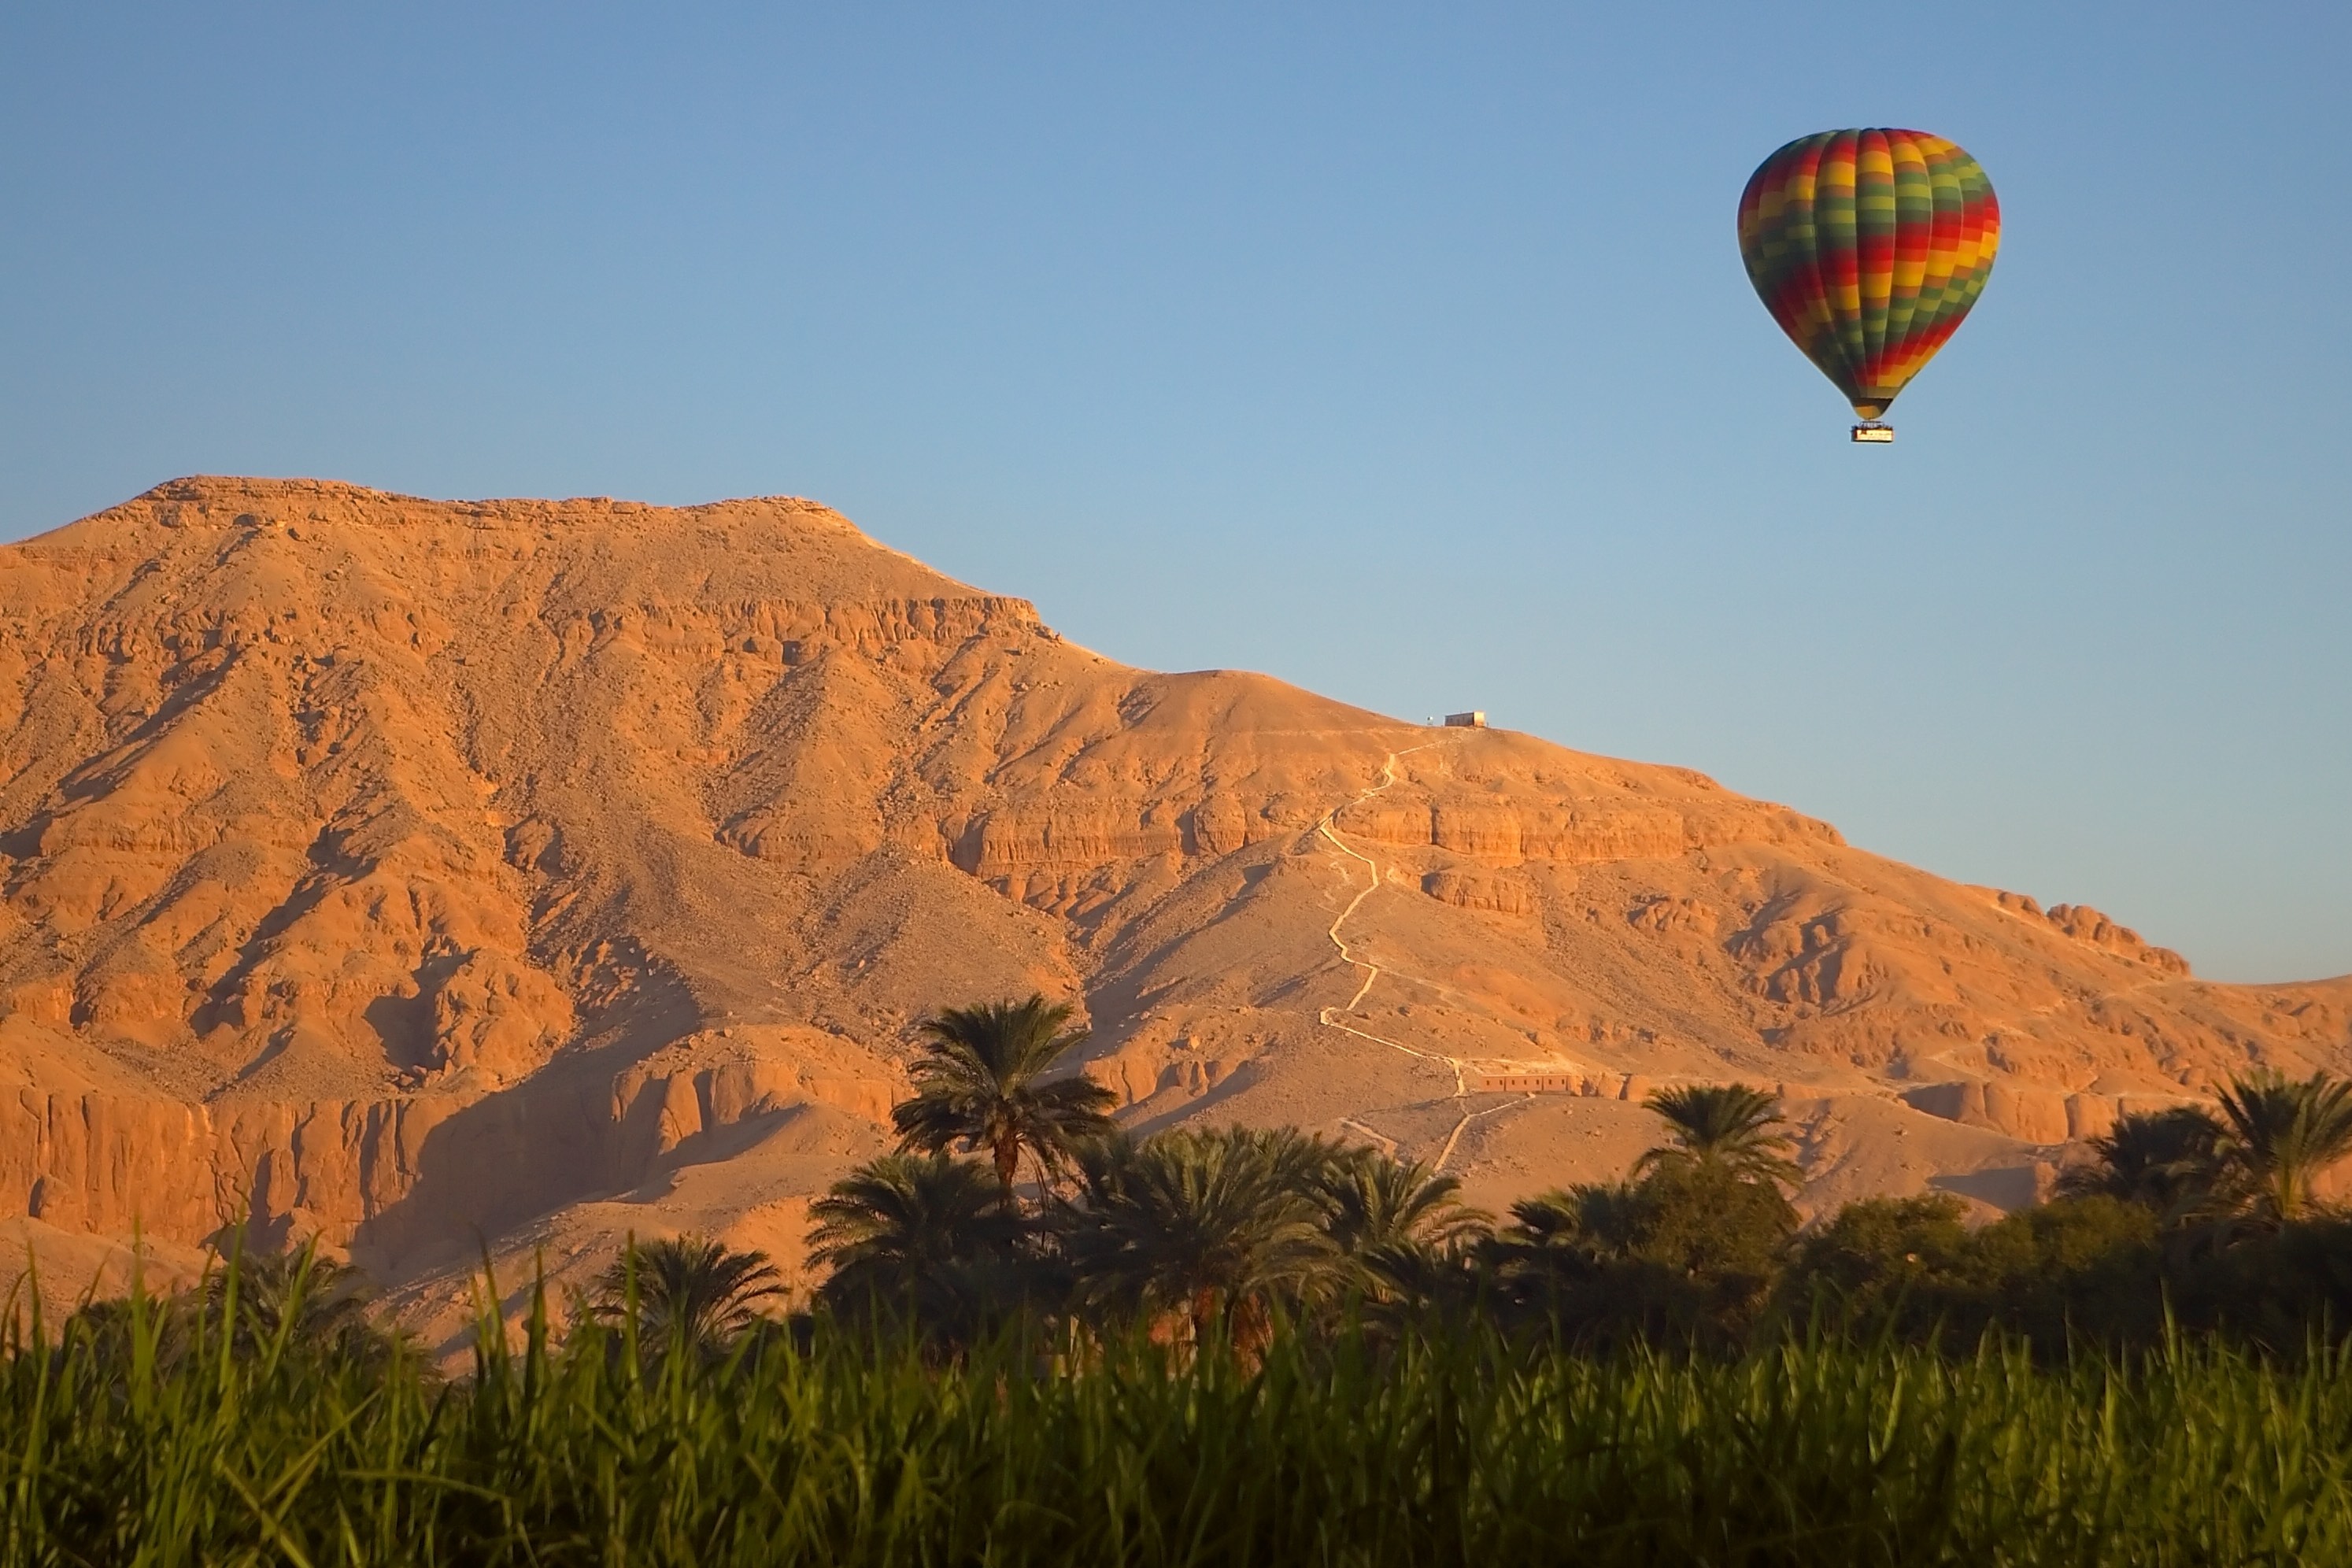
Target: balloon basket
column 1872, row 431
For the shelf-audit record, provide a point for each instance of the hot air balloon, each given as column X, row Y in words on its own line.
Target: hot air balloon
column 1869, row 248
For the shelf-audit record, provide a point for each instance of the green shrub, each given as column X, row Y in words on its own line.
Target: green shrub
column 1881, row 1266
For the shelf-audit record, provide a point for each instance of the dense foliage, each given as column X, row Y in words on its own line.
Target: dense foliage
column 2184, row 1221
column 1234, row 1345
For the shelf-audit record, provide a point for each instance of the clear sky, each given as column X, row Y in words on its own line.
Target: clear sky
column 1403, row 353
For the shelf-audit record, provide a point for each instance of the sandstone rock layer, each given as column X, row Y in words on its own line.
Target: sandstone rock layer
column 404, row 872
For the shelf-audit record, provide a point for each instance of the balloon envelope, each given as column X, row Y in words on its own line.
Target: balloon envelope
column 1868, row 247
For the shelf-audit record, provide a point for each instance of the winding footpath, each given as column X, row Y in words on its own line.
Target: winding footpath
column 1329, row 1016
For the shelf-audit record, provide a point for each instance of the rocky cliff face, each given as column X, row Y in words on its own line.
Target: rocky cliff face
column 393, row 870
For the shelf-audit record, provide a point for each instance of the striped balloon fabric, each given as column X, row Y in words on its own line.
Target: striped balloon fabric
column 1868, row 247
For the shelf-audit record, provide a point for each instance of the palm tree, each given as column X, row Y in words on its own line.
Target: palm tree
column 2279, row 1134
column 1722, row 1127
column 1209, row 1227
column 688, row 1291
column 299, row 1296
column 1398, row 1221
column 1572, row 1231
column 2167, row 1161
column 1559, row 1243
column 900, row 1229
column 979, row 1088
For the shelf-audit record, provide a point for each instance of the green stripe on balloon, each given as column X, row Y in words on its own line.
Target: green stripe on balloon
column 1829, row 256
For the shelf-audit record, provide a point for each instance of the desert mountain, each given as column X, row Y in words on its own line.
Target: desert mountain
column 413, row 874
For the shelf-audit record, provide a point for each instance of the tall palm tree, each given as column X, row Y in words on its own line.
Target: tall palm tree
column 2167, row 1161
column 897, row 1228
column 2279, row 1134
column 1396, row 1220
column 979, row 1087
column 1729, row 1127
column 688, row 1291
column 1213, row 1229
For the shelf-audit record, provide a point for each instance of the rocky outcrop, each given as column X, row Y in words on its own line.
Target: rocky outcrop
column 391, row 870
column 181, row 1172
column 1577, row 835
column 2035, row 1115
column 1496, row 892
column 342, row 1172
column 2086, row 924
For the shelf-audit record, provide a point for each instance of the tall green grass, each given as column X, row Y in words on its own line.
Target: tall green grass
column 132, row 1446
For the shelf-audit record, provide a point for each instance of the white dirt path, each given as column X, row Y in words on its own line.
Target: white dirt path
column 1454, row 1137
column 1347, row 955
column 1330, row 1017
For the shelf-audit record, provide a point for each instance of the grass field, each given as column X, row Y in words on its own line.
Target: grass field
column 123, row 1446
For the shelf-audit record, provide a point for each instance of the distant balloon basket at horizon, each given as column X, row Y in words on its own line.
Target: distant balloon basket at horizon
column 1869, row 248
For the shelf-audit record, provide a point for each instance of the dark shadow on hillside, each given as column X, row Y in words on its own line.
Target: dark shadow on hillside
column 558, row 1138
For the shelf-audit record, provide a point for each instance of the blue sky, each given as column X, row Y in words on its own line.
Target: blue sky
column 1403, row 353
